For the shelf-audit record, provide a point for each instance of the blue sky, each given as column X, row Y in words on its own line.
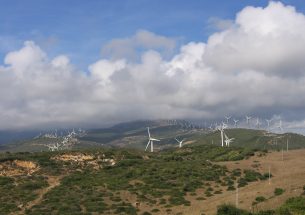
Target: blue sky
column 79, row 28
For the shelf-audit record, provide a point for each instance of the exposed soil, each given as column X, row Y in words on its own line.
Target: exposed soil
column 17, row 167
column 83, row 159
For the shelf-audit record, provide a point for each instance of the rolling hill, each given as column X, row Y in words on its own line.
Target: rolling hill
column 134, row 135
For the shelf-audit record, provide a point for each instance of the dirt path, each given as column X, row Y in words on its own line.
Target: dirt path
column 53, row 181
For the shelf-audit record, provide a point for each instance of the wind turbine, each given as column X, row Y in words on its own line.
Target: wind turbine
column 258, row 123
column 280, row 125
column 221, row 129
column 235, row 122
column 227, row 118
column 248, row 118
column 268, row 124
column 228, row 140
column 150, row 141
column 180, row 142
column 287, row 144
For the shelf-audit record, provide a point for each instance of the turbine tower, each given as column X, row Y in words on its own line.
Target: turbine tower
column 235, row 122
column 228, row 140
column 150, row 141
column 221, row 129
column 268, row 124
column 227, row 118
column 180, row 142
column 280, row 125
column 258, row 123
column 248, row 118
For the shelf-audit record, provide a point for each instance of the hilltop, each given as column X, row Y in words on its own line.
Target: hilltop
column 134, row 135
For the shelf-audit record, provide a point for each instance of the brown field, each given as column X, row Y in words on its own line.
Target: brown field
column 288, row 174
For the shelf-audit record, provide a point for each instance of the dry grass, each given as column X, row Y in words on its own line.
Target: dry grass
column 288, row 174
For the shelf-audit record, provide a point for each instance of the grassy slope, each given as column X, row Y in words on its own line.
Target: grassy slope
column 159, row 180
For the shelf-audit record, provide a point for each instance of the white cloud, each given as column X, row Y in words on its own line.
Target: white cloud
column 220, row 24
column 128, row 48
column 253, row 66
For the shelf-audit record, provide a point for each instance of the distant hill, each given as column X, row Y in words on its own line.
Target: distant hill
column 259, row 139
column 13, row 136
column 134, row 135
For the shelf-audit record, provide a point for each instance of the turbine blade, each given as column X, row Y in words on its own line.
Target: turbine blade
column 147, row 145
column 148, row 132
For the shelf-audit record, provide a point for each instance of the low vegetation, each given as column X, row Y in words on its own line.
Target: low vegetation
column 105, row 180
column 293, row 206
column 126, row 181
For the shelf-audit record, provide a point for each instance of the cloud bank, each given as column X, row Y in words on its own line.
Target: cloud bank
column 254, row 65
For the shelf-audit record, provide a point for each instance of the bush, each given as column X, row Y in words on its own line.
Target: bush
column 278, row 191
column 251, row 175
column 230, row 210
column 242, row 182
column 260, row 199
column 5, row 180
column 268, row 212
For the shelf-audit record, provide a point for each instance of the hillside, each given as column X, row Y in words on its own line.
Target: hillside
column 134, row 135
column 190, row 180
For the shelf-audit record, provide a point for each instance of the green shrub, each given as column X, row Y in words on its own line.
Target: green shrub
column 230, row 210
column 295, row 205
column 278, row 191
column 251, row 175
column 242, row 182
column 200, row 198
column 5, row 180
column 260, row 199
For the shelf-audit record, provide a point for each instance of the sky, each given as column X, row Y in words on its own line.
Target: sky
column 96, row 63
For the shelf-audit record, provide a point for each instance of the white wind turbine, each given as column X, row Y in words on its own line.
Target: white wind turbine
column 235, row 122
column 258, row 123
column 51, row 147
column 221, row 129
column 180, row 142
column 150, row 141
column 268, row 124
column 280, row 125
column 228, row 118
column 228, row 140
column 248, row 118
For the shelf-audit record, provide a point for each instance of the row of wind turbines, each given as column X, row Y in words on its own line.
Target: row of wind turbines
column 225, row 140
column 67, row 141
column 244, row 122
column 249, row 123
column 151, row 141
